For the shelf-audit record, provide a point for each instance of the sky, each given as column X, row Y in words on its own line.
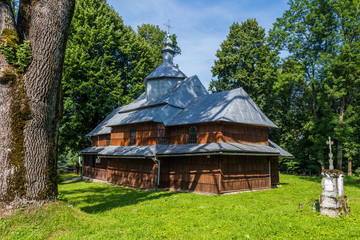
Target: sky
column 200, row 25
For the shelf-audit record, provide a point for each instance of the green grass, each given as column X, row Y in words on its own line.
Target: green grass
column 102, row 211
column 61, row 177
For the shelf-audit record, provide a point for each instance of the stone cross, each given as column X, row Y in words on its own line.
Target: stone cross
column 329, row 142
column 168, row 26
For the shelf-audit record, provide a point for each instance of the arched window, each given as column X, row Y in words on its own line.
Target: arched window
column 133, row 135
column 192, row 135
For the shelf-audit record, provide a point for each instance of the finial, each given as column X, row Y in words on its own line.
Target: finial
column 168, row 41
column 168, row 26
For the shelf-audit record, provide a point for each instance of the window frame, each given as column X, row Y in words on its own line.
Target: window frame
column 132, row 136
column 192, row 135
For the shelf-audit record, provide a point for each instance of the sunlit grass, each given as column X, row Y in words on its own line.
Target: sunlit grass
column 102, row 211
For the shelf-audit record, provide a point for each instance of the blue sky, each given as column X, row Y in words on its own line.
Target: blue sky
column 200, row 25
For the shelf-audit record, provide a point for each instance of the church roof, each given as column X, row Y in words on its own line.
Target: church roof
column 102, row 127
column 184, row 149
column 160, row 113
column 230, row 106
column 178, row 96
column 165, row 70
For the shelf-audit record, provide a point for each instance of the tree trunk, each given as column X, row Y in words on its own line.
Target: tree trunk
column 33, row 115
column 339, row 156
column 314, row 102
column 349, row 166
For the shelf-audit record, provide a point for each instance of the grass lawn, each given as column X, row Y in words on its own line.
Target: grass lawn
column 102, row 211
column 61, row 177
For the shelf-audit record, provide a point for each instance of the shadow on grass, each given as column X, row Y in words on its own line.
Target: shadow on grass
column 100, row 199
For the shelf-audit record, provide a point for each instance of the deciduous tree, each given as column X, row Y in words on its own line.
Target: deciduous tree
column 31, row 60
column 245, row 60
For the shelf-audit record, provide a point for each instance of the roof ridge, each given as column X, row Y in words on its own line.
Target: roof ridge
column 228, row 107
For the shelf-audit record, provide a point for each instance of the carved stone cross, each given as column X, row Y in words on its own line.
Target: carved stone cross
column 329, row 142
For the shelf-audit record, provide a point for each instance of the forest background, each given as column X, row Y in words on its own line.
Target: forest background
column 310, row 94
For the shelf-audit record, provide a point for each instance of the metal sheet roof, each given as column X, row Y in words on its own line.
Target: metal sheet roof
column 231, row 106
column 283, row 152
column 102, row 127
column 179, row 96
column 183, row 93
column 129, row 151
column 183, row 149
column 166, row 69
column 218, row 147
column 162, row 113
column 92, row 150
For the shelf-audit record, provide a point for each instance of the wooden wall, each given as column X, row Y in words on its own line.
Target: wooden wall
column 133, row 172
column 95, row 170
column 244, row 173
column 219, row 132
column 242, row 133
column 99, row 141
column 146, row 134
column 274, row 165
column 190, row 173
column 216, row 173
column 213, row 174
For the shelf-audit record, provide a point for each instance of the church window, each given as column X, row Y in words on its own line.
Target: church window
column 192, row 135
column 133, row 135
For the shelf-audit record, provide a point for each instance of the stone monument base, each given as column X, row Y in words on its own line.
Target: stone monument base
column 333, row 202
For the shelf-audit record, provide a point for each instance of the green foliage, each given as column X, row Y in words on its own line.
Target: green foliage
column 357, row 172
column 322, row 42
column 67, row 160
column 154, row 36
column 105, row 64
column 102, row 211
column 17, row 55
column 244, row 60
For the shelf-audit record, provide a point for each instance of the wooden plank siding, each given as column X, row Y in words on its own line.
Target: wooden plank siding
column 150, row 133
column 133, row 172
column 211, row 174
column 244, row 173
column 190, row 174
column 99, row 141
column 219, row 132
column 274, row 165
column 146, row 134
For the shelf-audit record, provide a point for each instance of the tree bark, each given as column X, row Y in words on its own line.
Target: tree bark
column 349, row 166
column 45, row 24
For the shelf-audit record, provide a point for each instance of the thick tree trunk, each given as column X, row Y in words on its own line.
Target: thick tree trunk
column 45, row 23
column 7, row 170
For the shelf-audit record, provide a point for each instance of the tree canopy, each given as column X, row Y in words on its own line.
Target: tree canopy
column 105, row 64
column 245, row 60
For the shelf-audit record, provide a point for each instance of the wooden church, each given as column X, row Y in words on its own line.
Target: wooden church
column 178, row 136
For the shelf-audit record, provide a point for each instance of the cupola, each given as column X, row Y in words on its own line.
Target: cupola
column 165, row 76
